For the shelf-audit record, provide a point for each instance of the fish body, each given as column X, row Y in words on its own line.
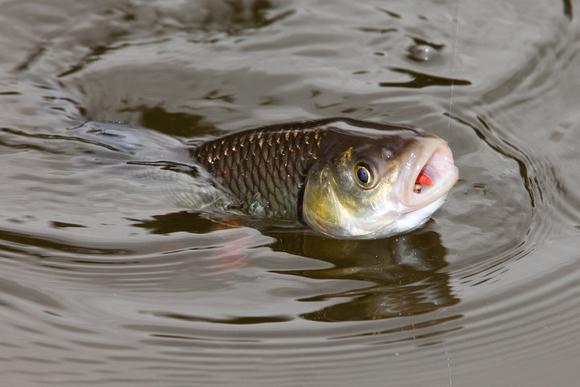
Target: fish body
column 265, row 168
column 343, row 177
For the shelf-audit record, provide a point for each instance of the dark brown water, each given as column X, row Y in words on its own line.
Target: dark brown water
column 106, row 279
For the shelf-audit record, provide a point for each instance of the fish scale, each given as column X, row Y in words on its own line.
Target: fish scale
column 264, row 168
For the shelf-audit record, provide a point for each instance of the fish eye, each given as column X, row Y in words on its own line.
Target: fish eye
column 363, row 174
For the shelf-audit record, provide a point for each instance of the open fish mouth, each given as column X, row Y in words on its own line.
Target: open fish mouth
column 430, row 173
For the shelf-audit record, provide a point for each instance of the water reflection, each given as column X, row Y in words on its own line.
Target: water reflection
column 406, row 273
column 568, row 9
column 99, row 269
column 172, row 123
column 421, row 80
column 182, row 221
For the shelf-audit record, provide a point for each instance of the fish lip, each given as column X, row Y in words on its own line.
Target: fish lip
column 434, row 154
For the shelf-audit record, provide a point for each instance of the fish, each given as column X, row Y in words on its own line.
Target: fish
column 341, row 177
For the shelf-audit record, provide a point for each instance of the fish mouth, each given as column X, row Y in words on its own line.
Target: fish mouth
column 430, row 173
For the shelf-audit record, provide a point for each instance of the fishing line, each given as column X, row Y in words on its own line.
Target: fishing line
column 449, row 361
column 453, row 64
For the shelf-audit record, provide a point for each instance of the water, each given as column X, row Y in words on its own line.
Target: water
column 107, row 280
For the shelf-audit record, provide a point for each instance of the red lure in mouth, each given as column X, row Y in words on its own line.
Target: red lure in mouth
column 430, row 174
column 422, row 179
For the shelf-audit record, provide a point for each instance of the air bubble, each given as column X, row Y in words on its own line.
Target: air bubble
column 421, row 52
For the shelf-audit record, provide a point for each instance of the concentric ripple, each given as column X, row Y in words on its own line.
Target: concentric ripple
column 112, row 275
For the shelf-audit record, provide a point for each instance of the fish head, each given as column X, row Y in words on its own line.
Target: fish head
column 375, row 185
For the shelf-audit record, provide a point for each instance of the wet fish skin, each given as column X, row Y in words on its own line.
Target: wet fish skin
column 266, row 168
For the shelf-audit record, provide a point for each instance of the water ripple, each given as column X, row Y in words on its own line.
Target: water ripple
column 105, row 281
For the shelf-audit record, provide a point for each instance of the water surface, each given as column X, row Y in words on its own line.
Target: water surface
column 109, row 278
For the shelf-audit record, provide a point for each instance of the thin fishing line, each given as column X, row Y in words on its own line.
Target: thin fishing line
column 453, row 64
column 449, row 361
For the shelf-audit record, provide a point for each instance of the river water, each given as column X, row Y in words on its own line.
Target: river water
column 106, row 280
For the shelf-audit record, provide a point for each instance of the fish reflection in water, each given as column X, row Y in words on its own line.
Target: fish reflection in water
column 405, row 270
